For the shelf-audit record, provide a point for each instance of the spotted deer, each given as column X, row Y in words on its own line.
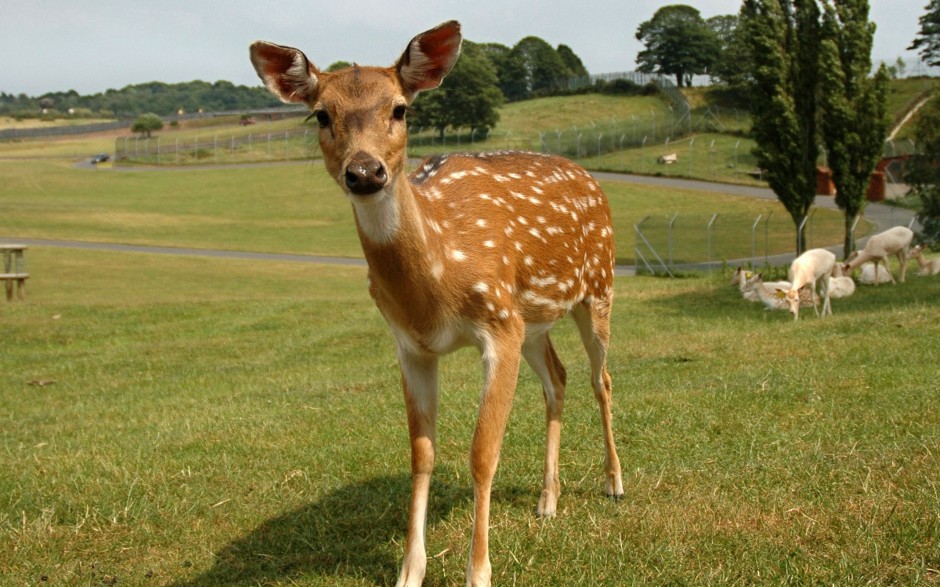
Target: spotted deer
column 478, row 249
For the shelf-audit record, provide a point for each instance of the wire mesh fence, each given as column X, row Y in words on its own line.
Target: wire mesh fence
column 693, row 242
column 217, row 149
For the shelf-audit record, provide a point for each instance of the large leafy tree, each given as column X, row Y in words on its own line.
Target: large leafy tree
column 732, row 66
column 924, row 171
column 927, row 41
column 572, row 62
column 678, row 42
column 468, row 97
column 783, row 38
column 854, row 120
column 147, row 124
column 510, row 70
column 544, row 68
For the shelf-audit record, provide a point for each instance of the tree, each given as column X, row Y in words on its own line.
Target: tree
column 678, row 42
column 337, row 65
column 731, row 66
column 783, row 38
column 544, row 68
column 854, row 120
column 927, row 41
column 923, row 172
column 572, row 62
column 510, row 70
column 147, row 123
column 468, row 97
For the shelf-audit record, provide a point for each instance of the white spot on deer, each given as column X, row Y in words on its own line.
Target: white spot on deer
column 458, row 255
column 489, row 244
column 481, row 287
column 522, row 221
column 540, row 219
column 437, row 270
column 434, row 226
column 503, row 314
column 505, row 260
column 528, row 260
column 543, row 281
column 481, row 223
column 500, row 178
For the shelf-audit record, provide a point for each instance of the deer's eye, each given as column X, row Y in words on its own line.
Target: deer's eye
column 323, row 119
column 398, row 113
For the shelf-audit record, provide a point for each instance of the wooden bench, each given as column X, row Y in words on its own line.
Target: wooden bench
column 14, row 270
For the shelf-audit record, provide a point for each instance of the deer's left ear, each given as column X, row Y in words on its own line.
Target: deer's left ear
column 429, row 57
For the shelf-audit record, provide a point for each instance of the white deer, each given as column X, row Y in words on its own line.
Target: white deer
column 484, row 250
column 811, row 268
column 894, row 241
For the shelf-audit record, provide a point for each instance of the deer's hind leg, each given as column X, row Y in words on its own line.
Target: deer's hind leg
column 593, row 319
column 541, row 356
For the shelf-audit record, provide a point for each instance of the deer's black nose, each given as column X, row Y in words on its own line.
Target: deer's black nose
column 365, row 175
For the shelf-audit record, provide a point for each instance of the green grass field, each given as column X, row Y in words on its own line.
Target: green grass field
column 298, row 209
column 194, row 422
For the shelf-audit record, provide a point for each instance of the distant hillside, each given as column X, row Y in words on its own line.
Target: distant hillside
column 157, row 97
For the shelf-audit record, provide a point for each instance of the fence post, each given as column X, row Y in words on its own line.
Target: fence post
column 754, row 239
column 767, row 237
column 710, row 224
column 799, row 236
column 672, row 223
column 643, row 154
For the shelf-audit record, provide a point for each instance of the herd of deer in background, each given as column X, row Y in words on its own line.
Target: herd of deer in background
column 815, row 277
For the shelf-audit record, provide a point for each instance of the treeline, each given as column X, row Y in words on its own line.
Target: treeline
column 486, row 76
column 157, row 97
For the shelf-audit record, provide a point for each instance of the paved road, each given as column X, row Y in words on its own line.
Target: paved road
column 883, row 216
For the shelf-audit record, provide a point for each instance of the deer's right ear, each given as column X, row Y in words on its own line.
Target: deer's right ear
column 429, row 57
column 285, row 71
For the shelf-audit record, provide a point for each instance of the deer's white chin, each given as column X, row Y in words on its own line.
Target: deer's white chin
column 377, row 214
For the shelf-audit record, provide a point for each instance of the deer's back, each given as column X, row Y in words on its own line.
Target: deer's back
column 528, row 227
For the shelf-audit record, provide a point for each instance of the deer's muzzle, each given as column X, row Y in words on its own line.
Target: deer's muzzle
column 365, row 175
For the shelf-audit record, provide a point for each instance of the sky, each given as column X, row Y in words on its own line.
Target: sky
column 90, row 47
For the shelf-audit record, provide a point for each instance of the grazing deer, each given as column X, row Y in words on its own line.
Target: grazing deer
column 486, row 250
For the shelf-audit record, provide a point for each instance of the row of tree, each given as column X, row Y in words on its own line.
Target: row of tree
column 160, row 98
column 531, row 68
column 810, row 87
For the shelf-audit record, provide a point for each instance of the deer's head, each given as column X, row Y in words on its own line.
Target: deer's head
column 361, row 111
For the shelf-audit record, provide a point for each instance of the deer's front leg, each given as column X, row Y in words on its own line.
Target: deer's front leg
column 419, row 380
column 501, row 355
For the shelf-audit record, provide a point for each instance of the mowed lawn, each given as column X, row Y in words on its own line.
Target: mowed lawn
column 297, row 208
column 197, row 422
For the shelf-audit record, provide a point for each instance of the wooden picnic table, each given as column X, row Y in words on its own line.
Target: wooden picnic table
column 14, row 270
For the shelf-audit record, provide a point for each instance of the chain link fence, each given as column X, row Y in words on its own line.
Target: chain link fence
column 666, row 245
column 218, row 149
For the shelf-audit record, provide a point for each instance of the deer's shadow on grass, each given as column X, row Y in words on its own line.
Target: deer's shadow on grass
column 355, row 531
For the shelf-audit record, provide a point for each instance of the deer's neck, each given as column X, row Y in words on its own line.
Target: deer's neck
column 405, row 258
